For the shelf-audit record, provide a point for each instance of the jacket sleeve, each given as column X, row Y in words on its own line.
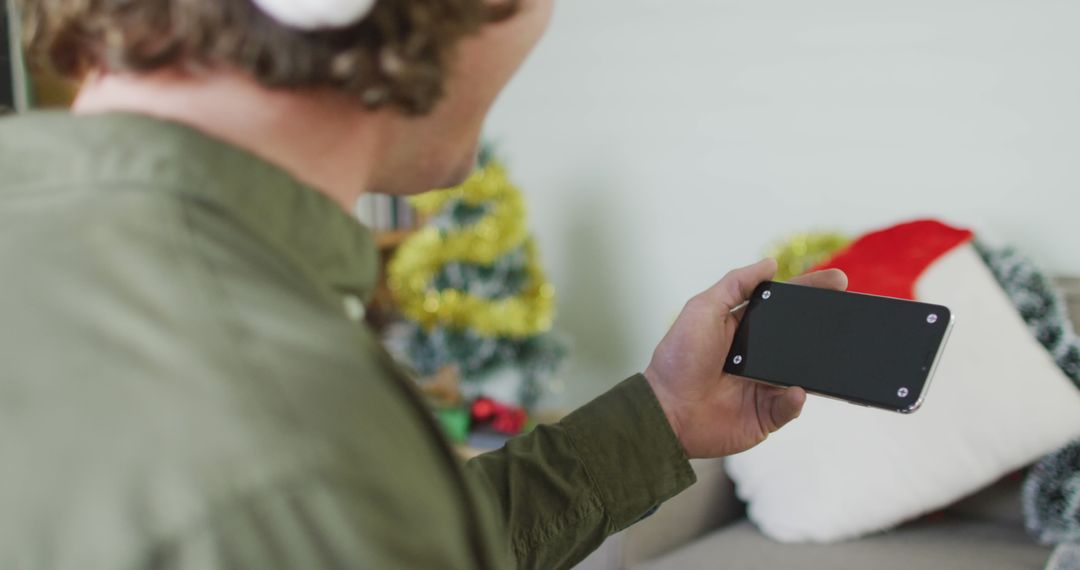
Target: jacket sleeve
column 566, row 487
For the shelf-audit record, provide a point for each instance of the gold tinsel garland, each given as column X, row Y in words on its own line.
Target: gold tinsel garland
column 801, row 252
column 500, row 231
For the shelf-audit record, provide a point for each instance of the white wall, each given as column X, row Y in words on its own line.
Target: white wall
column 662, row 142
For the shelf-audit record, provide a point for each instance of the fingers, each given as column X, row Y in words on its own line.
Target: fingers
column 827, row 279
column 739, row 284
column 784, row 406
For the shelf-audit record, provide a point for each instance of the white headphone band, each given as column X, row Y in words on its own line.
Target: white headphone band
column 309, row 15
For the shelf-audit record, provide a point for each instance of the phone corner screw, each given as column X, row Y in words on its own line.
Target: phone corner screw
column 737, row 359
column 902, row 392
column 766, row 294
column 932, row 318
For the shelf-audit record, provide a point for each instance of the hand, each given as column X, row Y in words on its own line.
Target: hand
column 716, row 414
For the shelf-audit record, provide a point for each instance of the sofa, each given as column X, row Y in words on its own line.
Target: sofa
column 706, row 528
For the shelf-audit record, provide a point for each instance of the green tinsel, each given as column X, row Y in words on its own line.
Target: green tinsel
column 535, row 358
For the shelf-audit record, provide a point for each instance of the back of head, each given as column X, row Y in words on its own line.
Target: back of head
column 398, row 54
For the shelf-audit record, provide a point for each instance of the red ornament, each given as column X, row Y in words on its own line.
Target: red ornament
column 482, row 410
column 510, row 422
column 503, row 418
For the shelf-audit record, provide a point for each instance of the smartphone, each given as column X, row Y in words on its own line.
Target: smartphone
column 864, row 349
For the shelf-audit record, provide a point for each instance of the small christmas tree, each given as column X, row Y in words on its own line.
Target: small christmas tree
column 474, row 295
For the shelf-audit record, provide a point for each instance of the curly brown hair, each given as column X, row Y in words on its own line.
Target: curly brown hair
column 398, row 55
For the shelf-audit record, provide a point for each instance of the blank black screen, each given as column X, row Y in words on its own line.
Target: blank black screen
column 870, row 350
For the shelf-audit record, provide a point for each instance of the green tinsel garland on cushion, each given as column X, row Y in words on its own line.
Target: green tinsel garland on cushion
column 1051, row 492
column 1039, row 303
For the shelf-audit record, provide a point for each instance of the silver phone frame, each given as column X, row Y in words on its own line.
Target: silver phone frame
column 933, row 368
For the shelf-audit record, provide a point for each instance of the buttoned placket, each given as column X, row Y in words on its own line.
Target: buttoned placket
column 354, row 307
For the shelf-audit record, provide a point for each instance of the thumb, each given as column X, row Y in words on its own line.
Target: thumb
column 739, row 284
column 784, row 406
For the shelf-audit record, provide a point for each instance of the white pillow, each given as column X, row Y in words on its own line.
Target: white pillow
column 998, row 403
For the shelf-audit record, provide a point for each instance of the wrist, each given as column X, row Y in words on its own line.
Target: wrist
column 665, row 399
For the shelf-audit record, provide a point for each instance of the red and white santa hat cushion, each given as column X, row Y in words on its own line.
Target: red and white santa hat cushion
column 998, row 403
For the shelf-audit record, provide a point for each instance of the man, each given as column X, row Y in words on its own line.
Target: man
column 186, row 379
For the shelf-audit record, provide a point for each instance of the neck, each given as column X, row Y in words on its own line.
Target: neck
column 322, row 139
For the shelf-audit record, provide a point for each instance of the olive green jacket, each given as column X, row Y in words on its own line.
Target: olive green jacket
column 186, row 383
